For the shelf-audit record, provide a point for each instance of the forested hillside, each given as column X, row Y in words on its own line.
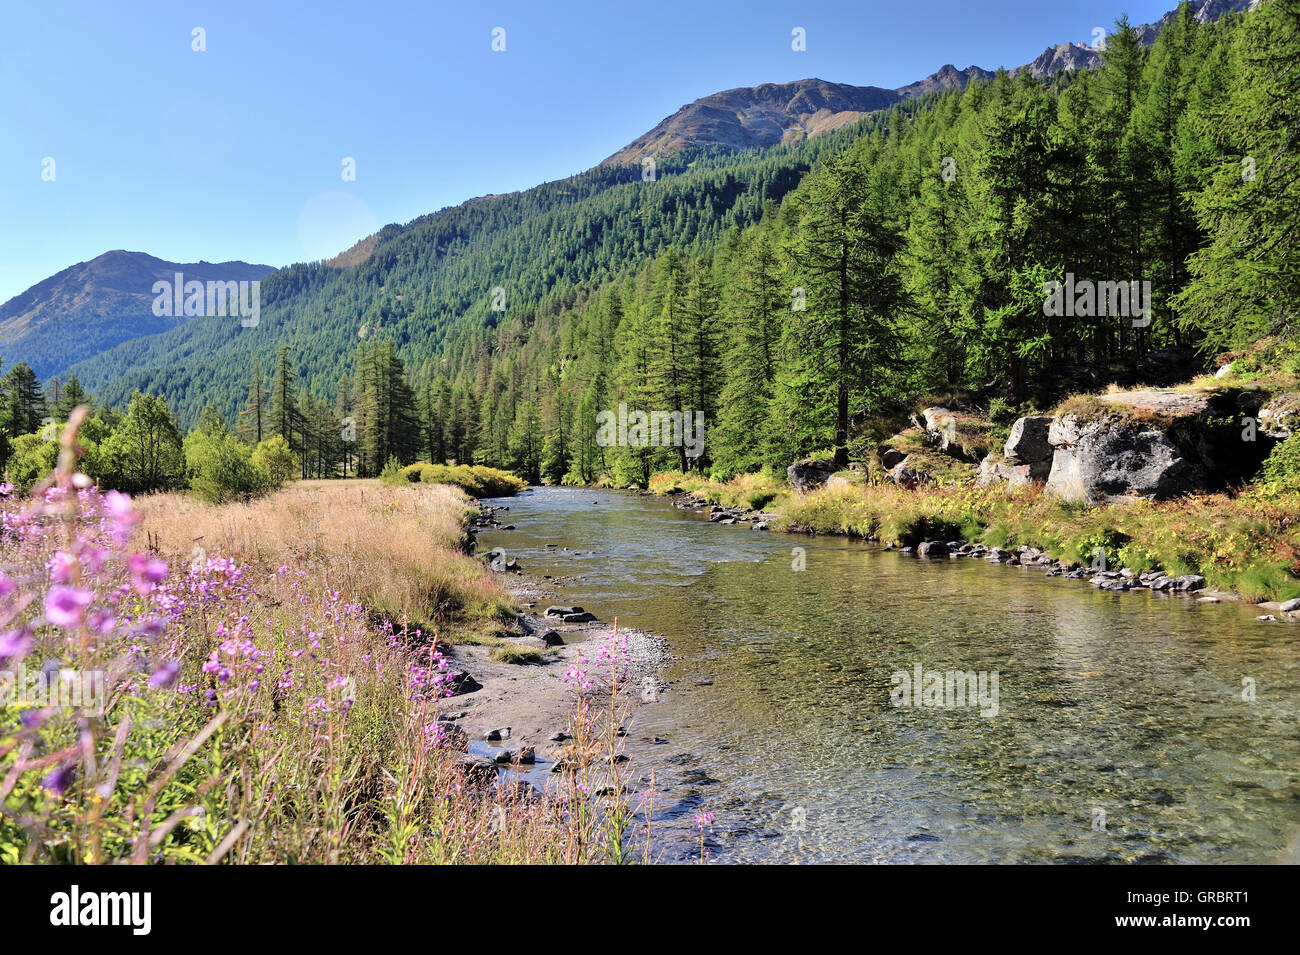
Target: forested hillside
column 429, row 285
column 916, row 260
column 802, row 297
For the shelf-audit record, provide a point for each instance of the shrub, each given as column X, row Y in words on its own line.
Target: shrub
column 275, row 461
column 475, row 480
column 509, row 653
column 220, row 467
column 1280, row 473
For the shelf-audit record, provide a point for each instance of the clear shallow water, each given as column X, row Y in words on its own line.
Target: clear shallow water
column 778, row 717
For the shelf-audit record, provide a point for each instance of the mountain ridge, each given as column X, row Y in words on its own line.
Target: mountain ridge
column 109, row 299
column 773, row 113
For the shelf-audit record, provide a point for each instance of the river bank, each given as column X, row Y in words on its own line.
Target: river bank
column 1213, row 546
column 777, row 715
column 516, row 708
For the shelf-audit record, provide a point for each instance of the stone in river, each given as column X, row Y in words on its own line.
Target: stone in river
column 561, row 611
column 479, row 769
column 461, row 682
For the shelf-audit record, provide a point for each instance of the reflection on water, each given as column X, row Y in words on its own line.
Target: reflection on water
column 1124, row 709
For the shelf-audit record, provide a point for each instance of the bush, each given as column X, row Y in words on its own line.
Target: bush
column 1281, row 471
column 475, row 480
column 276, row 463
column 220, row 468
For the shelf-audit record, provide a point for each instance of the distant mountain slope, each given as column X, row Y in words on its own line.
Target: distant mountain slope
column 93, row 306
column 749, row 118
column 429, row 282
column 947, row 78
column 767, row 115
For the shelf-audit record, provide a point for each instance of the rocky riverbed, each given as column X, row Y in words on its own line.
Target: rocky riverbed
column 516, row 715
column 1119, row 580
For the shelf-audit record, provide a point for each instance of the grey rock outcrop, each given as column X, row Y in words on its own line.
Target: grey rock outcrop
column 992, row 471
column 1028, row 444
column 808, row 475
column 1106, row 460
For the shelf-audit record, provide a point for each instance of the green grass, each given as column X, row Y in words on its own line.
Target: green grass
column 1248, row 544
column 513, row 653
column 475, row 480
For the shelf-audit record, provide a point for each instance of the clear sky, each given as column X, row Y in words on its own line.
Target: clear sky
column 237, row 152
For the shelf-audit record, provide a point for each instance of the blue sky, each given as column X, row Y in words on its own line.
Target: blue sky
column 236, row 152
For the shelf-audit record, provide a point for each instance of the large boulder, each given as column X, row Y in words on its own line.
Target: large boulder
column 993, row 472
column 1280, row 417
column 1028, row 444
column 808, row 474
column 907, row 473
column 1108, row 459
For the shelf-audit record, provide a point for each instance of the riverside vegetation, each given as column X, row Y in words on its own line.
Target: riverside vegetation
column 272, row 649
column 1243, row 539
column 272, row 672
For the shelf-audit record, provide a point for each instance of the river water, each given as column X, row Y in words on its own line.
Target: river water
column 1121, row 733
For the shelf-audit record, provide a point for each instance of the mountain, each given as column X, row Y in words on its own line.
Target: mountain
column 429, row 285
column 93, row 306
column 1062, row 57
column 429, row 282
column 947, row 78
column 757, row 117
column 761, row 116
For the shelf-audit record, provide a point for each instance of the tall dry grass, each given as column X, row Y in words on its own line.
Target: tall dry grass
column 398, row 550
column 254, row 710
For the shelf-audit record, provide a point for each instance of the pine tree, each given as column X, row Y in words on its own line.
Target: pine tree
column 24, row 409
column 1012, row 170
column 345, row 412
column 285, row 419
column 702, row 319
column 71, row 396
column 934, row 253
column 1246, row 281
column 250, row 423
column 746, row 439
column 846, row 258
column 670, row 370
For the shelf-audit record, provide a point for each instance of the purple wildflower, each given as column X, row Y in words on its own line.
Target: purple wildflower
column 66, row 606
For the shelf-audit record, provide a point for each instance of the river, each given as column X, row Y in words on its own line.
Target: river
column 1120, row 734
